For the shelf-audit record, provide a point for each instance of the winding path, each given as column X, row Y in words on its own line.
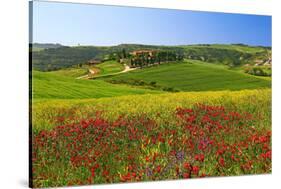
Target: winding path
column 127, row 69
column 93, row 72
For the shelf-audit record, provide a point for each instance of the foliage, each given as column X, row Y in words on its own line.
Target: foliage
column 258, row 71
column 155, row 57
column 143, row 84
column 63, row 57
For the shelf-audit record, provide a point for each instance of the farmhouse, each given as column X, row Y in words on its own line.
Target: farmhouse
column 140, row 52
column 93, row 62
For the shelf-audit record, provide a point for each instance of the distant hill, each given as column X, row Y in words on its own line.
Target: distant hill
column 42, row 46
column 56, row 56
column 63, row 57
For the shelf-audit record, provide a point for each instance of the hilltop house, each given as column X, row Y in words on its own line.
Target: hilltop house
column 93, row 62
column 140, row 52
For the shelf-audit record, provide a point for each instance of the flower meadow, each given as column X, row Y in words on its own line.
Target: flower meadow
column 203, row 140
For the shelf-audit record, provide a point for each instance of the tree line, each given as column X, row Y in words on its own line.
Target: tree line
column 155, row 57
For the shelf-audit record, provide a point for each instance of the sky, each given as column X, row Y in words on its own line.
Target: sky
column 72, row 24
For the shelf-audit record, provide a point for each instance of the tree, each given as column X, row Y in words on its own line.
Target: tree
column 124, row 54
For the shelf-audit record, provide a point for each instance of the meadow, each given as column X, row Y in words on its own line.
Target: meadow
column 158, row 106
column 109, row 67
column 47, row 85
column 70, row 72
column 172, row 136
column 178, row 120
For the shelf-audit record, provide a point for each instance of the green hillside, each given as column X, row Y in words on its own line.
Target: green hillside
column 191, row 76
column 102, row 69
column 236, row 47
column 63, row 57
column 41, row 46
column 71, row 72
column 232, row 55
column 109, row 67
column 50, row 85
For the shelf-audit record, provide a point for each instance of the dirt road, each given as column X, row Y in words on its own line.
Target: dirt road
column 93, row 72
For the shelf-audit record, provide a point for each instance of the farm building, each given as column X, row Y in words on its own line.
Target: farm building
column 93, row 62
column 139, row 52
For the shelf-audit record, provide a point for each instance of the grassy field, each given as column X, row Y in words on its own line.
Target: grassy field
column 158, row 106
column 103, row 69
column 109, row 67
column 241, row 48
column 193, row 76
column 94, row 131
column 53, row 91
column 71, row 72
column 53, row 86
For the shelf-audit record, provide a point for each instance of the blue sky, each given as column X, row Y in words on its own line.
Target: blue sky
column 72, row 24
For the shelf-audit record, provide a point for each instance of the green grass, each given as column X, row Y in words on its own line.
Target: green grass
column 50, row 85
column 105, row 68
column 71, row 72
column 246, row 49
column 109, row 67
column 193, row 76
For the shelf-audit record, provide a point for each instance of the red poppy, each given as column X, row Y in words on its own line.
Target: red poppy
column 199, row 157
column 186, row 165
column 93, row 171
column 221, row 162
column 195, row 170
column 186, row 175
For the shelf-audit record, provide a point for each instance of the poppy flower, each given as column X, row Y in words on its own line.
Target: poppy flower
column 221, row 162
column 195, row 170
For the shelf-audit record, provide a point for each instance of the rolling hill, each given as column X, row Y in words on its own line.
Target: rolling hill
column 232, row 55
column 54, row 86
column 41, row 46
column 190, row 75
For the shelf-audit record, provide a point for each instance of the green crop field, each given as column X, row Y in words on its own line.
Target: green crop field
column 71, row 72
column 193, row 76
column 109, row 67
column 102, row 69
column 53, row 86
